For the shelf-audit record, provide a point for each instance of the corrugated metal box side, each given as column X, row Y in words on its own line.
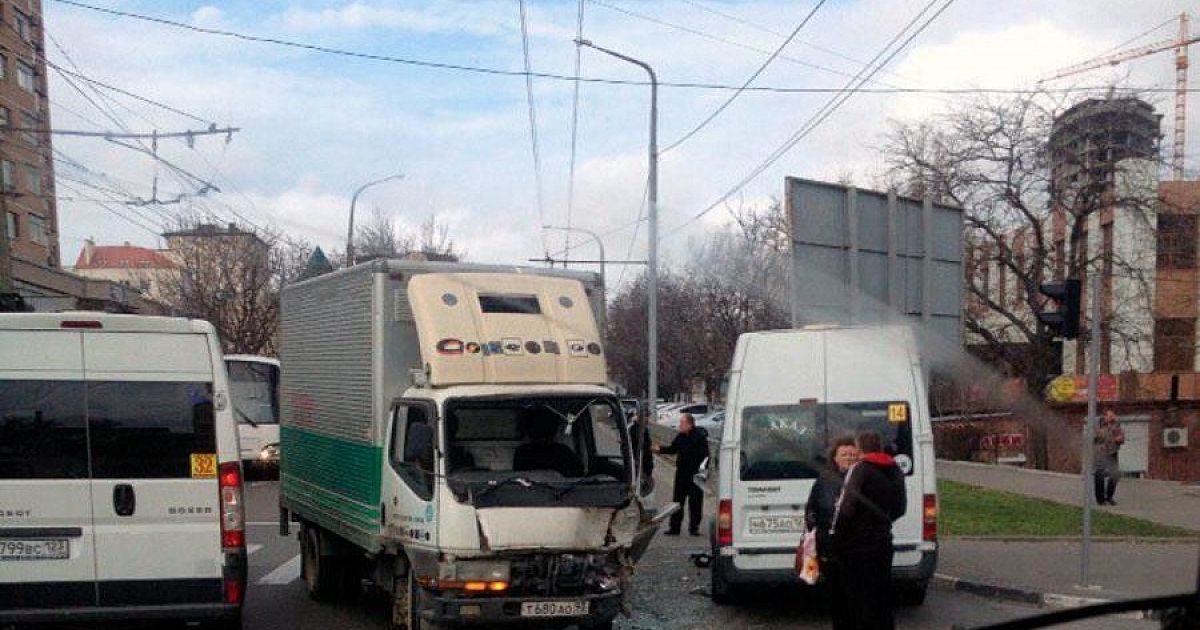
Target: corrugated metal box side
column 329, row 457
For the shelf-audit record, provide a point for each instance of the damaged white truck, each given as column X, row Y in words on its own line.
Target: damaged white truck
column 447, row 435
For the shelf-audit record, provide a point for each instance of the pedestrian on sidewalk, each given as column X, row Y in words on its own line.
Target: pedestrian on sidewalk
column 818, row 515
column 691, row 448
column 639, row 437
column 872, row 499
column 1106, row 467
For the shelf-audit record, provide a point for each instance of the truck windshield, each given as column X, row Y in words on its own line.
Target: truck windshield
column 560, row 442
column 254, row 388
column 789, row 441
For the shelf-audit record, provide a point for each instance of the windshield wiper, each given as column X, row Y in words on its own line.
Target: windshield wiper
column 496, row 484
column 245, row 417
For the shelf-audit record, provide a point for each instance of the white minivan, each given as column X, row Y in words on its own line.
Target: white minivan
column 790, row 393
column 254, row 394
column 120, row 484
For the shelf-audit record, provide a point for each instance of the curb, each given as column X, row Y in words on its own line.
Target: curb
column 1025, row 596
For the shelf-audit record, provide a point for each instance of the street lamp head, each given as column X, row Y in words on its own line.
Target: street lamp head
column 584, row 42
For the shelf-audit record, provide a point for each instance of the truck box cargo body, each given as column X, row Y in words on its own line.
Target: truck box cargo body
column 430, row 413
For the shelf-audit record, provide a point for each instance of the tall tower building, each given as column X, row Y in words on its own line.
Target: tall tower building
column 26, row 165
column 1089, row 139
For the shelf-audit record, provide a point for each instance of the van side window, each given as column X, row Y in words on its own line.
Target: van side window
column 149, row 429
column 43, row 430
column 412, row 448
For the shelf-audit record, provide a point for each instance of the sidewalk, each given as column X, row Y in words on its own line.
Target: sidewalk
column 1164, row 502
column 1048, row 572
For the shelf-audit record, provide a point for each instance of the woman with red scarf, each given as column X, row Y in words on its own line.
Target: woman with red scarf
column 872, row 499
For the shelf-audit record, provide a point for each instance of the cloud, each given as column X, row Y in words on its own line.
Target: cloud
column 207, row 16
column 356, row 16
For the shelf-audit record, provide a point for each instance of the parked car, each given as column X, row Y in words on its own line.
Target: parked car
column 670, row 416
column 713, row 423
column 119, row 471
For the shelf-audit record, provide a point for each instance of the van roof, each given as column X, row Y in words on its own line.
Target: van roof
column 107, row 321
column 820, row 327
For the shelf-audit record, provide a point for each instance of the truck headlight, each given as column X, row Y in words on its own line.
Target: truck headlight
column 269, row 453
column 482, row 570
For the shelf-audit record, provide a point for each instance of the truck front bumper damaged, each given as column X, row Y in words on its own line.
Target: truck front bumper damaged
column 584, row 610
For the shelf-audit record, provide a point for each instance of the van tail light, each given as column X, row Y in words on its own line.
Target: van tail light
column 929, row 512
column 233, row 515
column 725, row 523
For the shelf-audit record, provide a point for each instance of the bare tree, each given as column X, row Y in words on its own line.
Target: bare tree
column 232, row 279
column 1037, row 210
column 1027, row 222
column 381, row 237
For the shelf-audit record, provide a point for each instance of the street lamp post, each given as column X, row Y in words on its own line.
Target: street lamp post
column 353, row 201
column 652, row 228
column 600, row 245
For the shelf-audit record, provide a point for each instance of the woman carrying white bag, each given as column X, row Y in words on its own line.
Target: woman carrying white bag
column 814, row 557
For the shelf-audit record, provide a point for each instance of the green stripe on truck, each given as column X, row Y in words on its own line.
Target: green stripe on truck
column 338, row 480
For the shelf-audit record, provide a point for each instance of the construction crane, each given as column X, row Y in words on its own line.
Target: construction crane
column 1181, row 66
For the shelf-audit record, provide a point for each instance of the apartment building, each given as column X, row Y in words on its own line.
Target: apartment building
column 26, row 164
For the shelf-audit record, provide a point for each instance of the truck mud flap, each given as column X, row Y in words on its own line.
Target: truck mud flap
column 648, row 528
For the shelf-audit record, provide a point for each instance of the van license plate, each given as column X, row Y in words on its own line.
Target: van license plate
column 776, row 524
column 24, row 549
column 554, row 609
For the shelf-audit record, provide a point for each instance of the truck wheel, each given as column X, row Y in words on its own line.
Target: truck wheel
column 320, row 572
column 720, row 589
column 911, row 593
column 406, row 606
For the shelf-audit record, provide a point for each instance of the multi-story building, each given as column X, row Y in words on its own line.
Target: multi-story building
column 148, row 271
column 26, row 165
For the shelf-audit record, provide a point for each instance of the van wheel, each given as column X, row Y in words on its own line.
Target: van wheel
column 320, row 573
column 911, row 593
column 720, row 589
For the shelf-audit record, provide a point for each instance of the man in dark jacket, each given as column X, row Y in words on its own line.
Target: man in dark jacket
column 872, row 499
column 691, row 446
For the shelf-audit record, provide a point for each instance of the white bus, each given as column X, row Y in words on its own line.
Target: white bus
column 254, row 389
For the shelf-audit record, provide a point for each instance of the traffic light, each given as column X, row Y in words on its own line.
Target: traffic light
column 1064, row 322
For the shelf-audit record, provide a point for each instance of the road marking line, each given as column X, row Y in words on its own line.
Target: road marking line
column 285, row 573
column 251, row 548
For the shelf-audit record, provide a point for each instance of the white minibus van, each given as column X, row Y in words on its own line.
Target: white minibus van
column 254, row 393
column 790, row 393
column 120, row 484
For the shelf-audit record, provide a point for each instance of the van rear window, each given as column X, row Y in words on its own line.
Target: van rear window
column 43, row 430
column 520, row 304
column 790, row 441
column 149, row 429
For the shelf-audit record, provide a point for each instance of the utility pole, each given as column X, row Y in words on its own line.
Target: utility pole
column 1089, row 429
column 652, row 229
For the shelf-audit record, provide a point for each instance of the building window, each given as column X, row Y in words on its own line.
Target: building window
column 29, row 121
column 1174, row 345
column 14, row 226
column 3, row 66
column 1176, row 246
column 23, row 25
column 34, row 175
column 25, row 76
column 4, row 119
column 8, row 181
column 37, row 229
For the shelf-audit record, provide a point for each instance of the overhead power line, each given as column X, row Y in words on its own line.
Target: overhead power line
column 135, row 97
column 832, row 105
column 533, row 129
column 574, row 129
column 761, row 68
column 694, row 85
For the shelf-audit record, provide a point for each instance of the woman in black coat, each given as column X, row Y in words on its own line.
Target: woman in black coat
column 872, row 498
column 818, row 515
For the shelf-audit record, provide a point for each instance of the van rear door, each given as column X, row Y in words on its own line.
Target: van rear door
column 780, row 440
column 154, row 466
column 47, row 555
column 872, row 385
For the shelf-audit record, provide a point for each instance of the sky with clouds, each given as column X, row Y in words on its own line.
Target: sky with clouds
column 315, row 126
